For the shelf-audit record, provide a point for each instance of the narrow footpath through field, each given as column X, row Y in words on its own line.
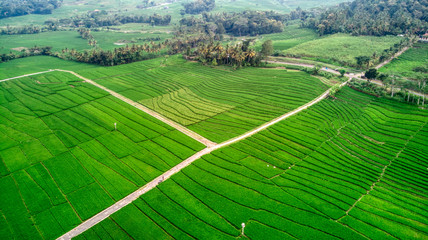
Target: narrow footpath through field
column 149, row 186
column 154, row 114
column 26, row 75
column 389, row 60
column 211, row 146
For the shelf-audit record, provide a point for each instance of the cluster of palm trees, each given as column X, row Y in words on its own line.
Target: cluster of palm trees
column 85, row 33
column 26, row 52
column 179, row 45
column 237, row 56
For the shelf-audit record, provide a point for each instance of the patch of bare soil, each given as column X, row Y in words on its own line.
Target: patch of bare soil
column 38, row 82
column 372, row 140
column 19, row 49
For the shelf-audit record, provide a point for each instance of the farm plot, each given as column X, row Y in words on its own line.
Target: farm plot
column 61, row 159
column 292, row 35
column 342, row 48
column 405, row 64
column 300, row 179
column 216, row 103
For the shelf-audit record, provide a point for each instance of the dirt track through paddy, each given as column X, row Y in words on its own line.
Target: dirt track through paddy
column 211, row 146
column 135, row 195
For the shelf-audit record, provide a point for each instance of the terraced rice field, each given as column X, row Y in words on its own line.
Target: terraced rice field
column 353, row 168
column 217, row 103
column 62, row 161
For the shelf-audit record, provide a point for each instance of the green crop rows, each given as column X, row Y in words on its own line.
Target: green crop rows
column 62, row 161
column 404, row 65
column 342, row 48
column 297, row 180
column 216, row 103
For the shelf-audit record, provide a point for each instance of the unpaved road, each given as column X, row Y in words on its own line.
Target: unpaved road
column 171, row 123
column 389, row 60
column 154, row 114
column 306, row 65
column 26, row 75
column 135, row 195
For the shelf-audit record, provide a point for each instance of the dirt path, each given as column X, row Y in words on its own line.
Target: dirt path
column 334, row 71
column 26, row 75
column 154, row 114
column 389, row 60
column 325, row 69
column 149, row 186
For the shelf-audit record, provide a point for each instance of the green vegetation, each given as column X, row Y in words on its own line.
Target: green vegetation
column 218, row 103
column 292, row 35
column 199, row 6
column 351, row 166
column 373, row 17
column 298, row 179
column 245, row 23
column 29, row 65
column 342, row 48
column 57, row 40
column 62, row 161
column 11, row 8
column 407, row 64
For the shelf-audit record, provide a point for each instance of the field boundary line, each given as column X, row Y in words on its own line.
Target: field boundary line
column 154, row 114
column 171, row 123
column 168, row 174
column 26, row 75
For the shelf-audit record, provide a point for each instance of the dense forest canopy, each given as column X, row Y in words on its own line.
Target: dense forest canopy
column 199, row 6
column 373, row 17
column 238, row 24
column 12, row 8
column 103, row 19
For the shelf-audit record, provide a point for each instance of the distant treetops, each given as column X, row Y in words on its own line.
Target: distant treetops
column 198, row 6
column 373, row 17
column 12, row 8
column 246, row 23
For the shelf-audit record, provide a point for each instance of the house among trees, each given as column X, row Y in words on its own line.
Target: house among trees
column 424, row 38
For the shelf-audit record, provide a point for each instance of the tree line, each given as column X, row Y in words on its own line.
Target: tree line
column 90, row 20
column 122, row 55
column 365, row 62
column 239, row 55
column 198, row 6
column 373, row 17
column 98, row 19
column 13, row 8
column 34, row 51
column 27, row 29
column 246, row 23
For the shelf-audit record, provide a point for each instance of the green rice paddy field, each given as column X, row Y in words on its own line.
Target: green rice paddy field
column 215, row 102
column 22, row 66
column 304, row 178
column 404, row 65
column 342, row 48
column 292, row 36
column 62, row 161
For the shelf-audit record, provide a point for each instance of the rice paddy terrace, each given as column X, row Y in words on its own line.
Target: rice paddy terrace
column 62, row 160
column 351, row 168
column 216, row 103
